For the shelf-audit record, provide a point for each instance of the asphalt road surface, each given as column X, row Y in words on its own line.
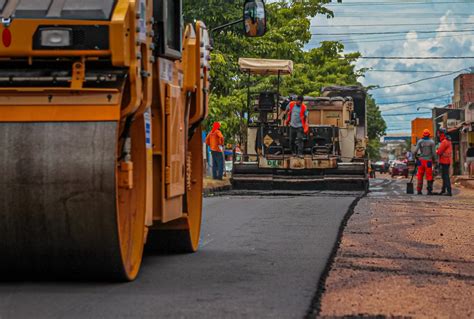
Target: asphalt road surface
column 260, row 256
column 389, row 187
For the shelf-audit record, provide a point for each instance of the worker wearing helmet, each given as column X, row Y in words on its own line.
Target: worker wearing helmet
column 215, row 140
column 297, row 119
column 445, row 153
column 426, row 156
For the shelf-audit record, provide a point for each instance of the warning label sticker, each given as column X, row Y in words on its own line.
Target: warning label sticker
column 147, row 119
column 267, row 140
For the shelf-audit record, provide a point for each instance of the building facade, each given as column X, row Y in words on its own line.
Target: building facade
column 463, row 100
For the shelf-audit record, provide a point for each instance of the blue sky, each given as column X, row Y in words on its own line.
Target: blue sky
column 426, row 28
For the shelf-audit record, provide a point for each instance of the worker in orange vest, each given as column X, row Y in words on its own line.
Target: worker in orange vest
column 445, row 153
column 215, row 140
column 297, row 119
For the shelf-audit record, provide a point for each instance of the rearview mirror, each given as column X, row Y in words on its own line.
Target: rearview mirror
column 255, row 20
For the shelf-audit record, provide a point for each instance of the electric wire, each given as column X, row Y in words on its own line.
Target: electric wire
column 389, row 25
column 355, row 41
column 394, row 32
column 411, row 94
column 414, row 101
column 417, row 81
column 416, row 57
column 405, row 114
column 385, row 39
column 409, row 71
column 400, row 107
column 355, row 4
column 405, row 106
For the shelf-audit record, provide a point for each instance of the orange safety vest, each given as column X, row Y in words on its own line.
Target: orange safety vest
column 445, row 151
column 302, row 116
column 214, row 140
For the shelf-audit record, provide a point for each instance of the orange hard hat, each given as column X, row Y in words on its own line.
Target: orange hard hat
column 215, row 126
column 426, row 132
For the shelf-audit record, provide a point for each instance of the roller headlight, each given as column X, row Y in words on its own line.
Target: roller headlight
column 71, row 37
column 56, row 37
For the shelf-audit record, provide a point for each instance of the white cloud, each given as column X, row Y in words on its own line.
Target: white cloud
column 444, row 17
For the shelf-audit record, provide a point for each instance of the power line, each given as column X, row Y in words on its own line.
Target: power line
column 415, row 101
column 354, row 4
column 389, row 25
column 392, row 13
column 417, row 57
column 394, row 36
column 409, row 71
column 401, row 107
column 399, row 15
column 393, row 32
column 385, row 39
column 403, row 114
column 411, row 94
column 417, row 81
column 379, row 97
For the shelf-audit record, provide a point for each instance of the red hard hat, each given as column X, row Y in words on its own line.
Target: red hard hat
column 426, row 132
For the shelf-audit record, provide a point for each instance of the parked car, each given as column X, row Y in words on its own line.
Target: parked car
column 399, row 169
column 381, row 166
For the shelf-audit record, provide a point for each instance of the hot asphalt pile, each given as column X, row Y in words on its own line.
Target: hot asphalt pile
column 407, row 256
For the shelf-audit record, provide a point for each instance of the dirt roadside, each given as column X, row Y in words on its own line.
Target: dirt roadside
column 212, row 185
column 405, row 256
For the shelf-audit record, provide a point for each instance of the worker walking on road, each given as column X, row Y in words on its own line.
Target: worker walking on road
column 215, row 140
column 297, row 119
column 445, row 153
column 425, row 161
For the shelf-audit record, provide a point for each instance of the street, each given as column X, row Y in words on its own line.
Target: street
column 261, row 255
column 236, row 159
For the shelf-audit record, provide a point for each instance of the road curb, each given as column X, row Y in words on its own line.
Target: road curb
column 208, row 192
column 315, row 306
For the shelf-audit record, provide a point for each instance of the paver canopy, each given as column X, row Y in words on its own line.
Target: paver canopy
column 265, row 66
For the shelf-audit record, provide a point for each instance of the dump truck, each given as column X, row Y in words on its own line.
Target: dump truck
column 101, row 104
column 334, row 148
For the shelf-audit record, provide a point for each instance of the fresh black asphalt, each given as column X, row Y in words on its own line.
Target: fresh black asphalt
column 261, row 256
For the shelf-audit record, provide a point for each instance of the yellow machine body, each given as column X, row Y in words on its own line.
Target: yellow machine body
column 101, row 143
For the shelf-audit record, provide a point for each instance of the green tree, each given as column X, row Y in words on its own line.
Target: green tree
column 376, row 128
column 288, row 24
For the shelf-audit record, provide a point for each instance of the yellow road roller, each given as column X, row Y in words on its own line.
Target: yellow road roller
column 100, row 141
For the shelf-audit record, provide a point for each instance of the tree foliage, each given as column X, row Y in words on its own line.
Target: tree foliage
column 376, row 127
column 289, row 31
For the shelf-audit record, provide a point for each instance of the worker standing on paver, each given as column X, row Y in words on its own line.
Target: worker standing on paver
column 445, row 153
column 215, row 140
column 297, row 119
column 426, row 157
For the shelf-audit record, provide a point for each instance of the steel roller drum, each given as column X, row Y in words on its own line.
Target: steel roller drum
column 58, row 200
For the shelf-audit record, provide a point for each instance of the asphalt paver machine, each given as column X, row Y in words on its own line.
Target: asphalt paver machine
column 334, row 148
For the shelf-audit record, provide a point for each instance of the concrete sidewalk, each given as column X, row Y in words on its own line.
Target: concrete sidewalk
column 405, row 256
